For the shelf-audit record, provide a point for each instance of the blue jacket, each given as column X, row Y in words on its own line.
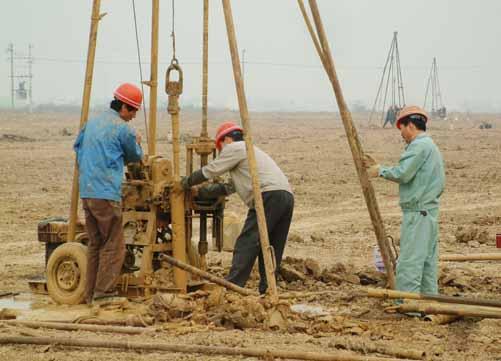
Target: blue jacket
column 420, row 173
column 103, row 146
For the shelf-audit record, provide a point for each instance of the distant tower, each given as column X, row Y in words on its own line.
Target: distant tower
column 390, row 97
column 30, row 77
column 24, row 90
column 437, row 107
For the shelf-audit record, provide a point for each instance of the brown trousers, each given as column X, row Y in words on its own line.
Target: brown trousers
column 106, row 247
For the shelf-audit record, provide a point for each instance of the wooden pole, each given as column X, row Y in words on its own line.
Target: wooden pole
column 471, row 257
column 205, row 275
column 455, row 310
column 355, row 146
column 89, row 72
column 269, row 262
column 197, row 349
column 153, row 82
column 77, row 327
column 380, row 293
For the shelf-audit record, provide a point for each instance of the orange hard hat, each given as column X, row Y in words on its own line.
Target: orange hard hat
column 129, row 94
column 410, row 110
column 225, row 129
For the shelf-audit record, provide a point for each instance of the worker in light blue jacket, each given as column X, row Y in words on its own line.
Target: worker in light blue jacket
column 104, row 145
column 421, row 178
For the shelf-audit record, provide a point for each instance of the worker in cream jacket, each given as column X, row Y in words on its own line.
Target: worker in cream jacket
column 277, row 196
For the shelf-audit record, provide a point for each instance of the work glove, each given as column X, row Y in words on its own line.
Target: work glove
column 371, row 165
column 195, row 178
column 213, row 191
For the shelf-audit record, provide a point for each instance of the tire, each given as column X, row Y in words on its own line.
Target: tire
column 67, row 273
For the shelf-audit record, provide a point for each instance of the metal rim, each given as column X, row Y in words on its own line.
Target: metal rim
column 67, row 274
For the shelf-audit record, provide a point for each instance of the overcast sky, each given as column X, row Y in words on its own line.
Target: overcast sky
column 282, row 70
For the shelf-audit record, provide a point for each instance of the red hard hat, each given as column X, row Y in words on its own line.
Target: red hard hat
column 129, row 94
column 225, row 129
column 410, row 110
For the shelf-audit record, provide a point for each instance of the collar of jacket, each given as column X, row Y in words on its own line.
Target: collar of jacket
column 419, row 136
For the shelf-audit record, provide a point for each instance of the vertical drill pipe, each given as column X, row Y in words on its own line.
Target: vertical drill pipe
column 202, row 245
column 176, row 197
column 89, row 72
column 356, row 148
column 205, row 71
column 153, row 83
column 244, row 115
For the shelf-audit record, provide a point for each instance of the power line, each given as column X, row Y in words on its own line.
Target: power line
column 247, row 62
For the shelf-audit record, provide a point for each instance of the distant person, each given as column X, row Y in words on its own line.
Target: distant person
column 277, row 198
column 442, row 112
column 420, row 174
column 103, row 146
column 391, row 116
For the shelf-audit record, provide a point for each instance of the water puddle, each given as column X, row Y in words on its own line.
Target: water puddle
column 14, row 304
column 22, row 301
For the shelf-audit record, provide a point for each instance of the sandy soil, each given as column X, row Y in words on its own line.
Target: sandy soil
column 331, row 225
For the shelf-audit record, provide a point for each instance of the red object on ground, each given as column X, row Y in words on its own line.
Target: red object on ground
column 498, row 240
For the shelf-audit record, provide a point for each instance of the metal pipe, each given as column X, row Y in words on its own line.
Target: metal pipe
column 78, row 327
column 203, row 246
column 356, row 148
column 89, row 72
column 251, row 157
column 177, row 206
column 205, row 275
column 205, row 71
column 197, row 349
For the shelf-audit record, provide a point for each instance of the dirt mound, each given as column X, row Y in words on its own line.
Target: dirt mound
column 307, row 273
column 227, row 310
column 468, row 234
column 222, row 309
column 456, row 280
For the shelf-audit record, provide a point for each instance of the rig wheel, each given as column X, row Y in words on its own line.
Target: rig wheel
column 67, row 273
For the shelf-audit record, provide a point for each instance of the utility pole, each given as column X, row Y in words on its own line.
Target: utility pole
column 30, row 77
column 10, row 50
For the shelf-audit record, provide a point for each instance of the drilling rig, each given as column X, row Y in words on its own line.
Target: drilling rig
column 157, row 214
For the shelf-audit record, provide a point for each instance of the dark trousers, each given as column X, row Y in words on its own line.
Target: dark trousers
column 106, row 247
column 278, row 209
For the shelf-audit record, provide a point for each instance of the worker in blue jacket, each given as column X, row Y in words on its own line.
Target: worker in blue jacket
column 103, row 146
column 421, row 178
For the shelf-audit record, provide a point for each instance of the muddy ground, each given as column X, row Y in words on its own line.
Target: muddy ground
column 331, row 225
